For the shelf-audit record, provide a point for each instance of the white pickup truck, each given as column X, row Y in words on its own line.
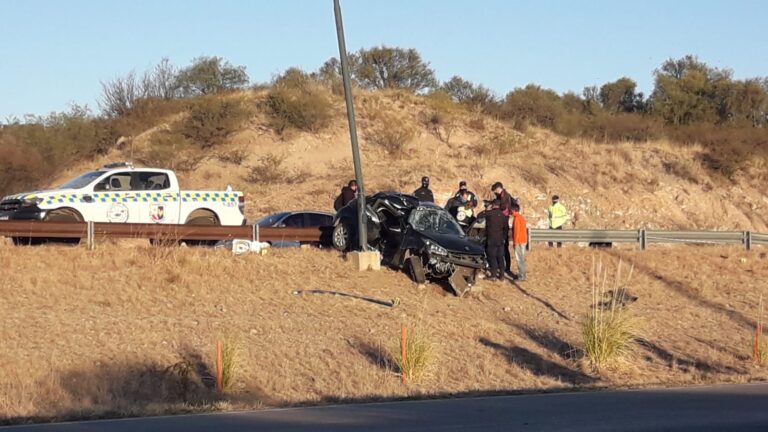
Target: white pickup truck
column 120, row 193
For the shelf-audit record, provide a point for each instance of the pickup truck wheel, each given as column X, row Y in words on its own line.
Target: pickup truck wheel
column 202, row 218
column 58, row 215
column 340, row 237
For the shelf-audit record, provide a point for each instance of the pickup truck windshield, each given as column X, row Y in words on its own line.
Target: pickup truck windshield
column 436, row 220
column 81, row 181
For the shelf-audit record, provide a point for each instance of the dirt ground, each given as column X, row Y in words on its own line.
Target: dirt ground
column 128, row 329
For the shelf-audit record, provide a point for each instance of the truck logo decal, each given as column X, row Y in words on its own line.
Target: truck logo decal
column 117, row 213
column 157, row 213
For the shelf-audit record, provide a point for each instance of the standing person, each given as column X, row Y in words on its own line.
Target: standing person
column 347, row 195
column 558, row 216
column 495, row 232
column 423, row 193
column 465, row 196
column 506, row 201
column 519, row 240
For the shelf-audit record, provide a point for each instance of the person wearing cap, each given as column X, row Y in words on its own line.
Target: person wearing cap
column 423, row 193
column 465, row 196
column 557, row 216
column 506, row 202
column 496, row 227
column 519, row 240
column 347, row 195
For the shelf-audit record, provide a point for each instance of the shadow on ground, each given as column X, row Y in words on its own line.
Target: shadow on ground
column 547, row 340
column 685, row 290
column 538, row 365
column 683, row 362
column 139, row 388
column 545, row 303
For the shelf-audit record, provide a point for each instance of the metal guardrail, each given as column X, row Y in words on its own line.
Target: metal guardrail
column 645, row 237
column 91, row 230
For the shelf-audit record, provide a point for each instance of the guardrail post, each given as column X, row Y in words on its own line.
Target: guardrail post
column 89, row 234
column 748, row 240
column 253, row 233
column 643, row 239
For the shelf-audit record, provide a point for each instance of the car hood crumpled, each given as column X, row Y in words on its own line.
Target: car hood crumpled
column 454, row 243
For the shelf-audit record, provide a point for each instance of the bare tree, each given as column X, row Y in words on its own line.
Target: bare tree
column 160, row 81
column 119, row 95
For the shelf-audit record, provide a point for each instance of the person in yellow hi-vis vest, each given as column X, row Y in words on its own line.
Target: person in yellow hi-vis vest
column 558, row 216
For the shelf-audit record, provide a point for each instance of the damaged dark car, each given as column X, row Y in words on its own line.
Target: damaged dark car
column 418, row 237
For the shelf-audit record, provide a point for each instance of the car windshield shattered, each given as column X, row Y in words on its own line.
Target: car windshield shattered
column 81, row 181
column 435, row 220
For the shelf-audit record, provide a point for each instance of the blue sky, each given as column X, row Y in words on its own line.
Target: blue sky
column 53, row 53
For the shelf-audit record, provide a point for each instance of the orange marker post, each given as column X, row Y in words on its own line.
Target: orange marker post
column 403, row 340
column 219, row 384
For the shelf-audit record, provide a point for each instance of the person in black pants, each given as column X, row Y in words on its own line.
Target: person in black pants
column 496, row 227
column 505, row 205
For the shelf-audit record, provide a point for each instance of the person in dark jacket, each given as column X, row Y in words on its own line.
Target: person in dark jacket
column 465, row 196
column 506, row 201
column 347, row 195
column 496, row 233
column 423, row 193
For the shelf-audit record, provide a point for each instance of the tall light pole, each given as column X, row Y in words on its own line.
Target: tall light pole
column 362, row 233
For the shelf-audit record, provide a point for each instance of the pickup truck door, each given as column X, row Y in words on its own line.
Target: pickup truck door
column 158, row 200
column 113, row 200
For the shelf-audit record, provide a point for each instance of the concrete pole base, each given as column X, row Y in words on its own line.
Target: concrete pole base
column 363, row 261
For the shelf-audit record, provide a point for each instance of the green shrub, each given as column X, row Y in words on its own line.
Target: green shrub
column 297, row 101
column 211, row 120
column 235, row 156
column 270, row 169
column 623, row 127
column 171, row 150
column 20, row 169
column 497, row 143
column 441, row 115
column 391, row 133
column 146, row 114
column 64, row 137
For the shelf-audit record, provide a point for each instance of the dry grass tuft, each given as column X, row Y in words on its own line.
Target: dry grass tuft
column 230, row 361
column 420, row 355
column 607, row 332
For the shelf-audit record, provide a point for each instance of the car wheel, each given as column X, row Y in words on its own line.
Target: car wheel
column 416, row 269
column 202, row 218
column 340, row 238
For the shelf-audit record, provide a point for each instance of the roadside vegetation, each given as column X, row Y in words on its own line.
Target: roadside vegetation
column 608, row 330
column 692, row 104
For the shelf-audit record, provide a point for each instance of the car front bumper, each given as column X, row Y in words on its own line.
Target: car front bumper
column 24, row 213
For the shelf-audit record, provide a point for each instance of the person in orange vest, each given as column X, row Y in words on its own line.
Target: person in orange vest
column 519, row 240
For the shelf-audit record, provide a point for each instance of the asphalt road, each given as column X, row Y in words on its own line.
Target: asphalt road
column 712, row 408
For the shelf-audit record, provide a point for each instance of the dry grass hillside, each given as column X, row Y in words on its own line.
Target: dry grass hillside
column 626, row 185
column 130, row 329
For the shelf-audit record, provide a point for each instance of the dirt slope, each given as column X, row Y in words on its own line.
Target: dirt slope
column 629, row 185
